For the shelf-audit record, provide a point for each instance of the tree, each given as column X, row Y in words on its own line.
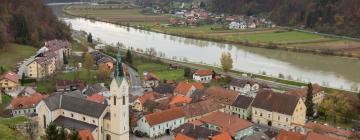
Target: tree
column 187, row 72
column 104, row 71
column 23, row 78
column 226, row 61
column 65, row 60
column 309, row 102
column 88, row 61
column 2, row 70
column 52, row 132
column 90, row 38
column 74, row 135
column 128, row 57
column 62, row 133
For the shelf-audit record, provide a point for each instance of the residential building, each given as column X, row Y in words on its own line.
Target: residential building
column 160, row 123
column 236, row 127
column 9, row 81
column 25, row 105
column 98, row 88
column 195, row 111
column 69, row 85
column 203, row 75
column 222, row 96
column 282, row 111
column 187, row 88
column 140, row 101
column 288, row 135
column 150, row 80
column 234, row 25
column 164, row 89
column 241, row 107
column 179, row 100
column 41, row 67
column 246, row 86
column 108, row 61
column 194, row 132
column 27, row 91
column 105, row 122
column 318, row 93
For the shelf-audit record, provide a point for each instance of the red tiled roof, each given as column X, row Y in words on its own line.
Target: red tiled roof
column 184, row 87
column 164, row 116
column 222, row 136
column 26, row 101
column 287, row 135
column 86, row 135
column 302, row 92
column 228, row 123
column 203, row 72
column 147, row 96
column 315, row 136
column 96, row 98
column 182, row 137
column 221, row 95
column 327, row 129
column 179, row 99
column 11, row 76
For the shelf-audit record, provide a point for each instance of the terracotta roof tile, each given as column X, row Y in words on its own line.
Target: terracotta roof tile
column 86, row 135
column 222, row 136
column 203, row 72
column 302, row 92
column 184, row 87
column 201, row 108
column 221, row 95
column 228, row 123
column 11, row 76
column 287, row 135
column 164, row 116
column 96, row 98
column 182, row 137
column 178, row 99
column 315, row 136
column 27, row 101
column 147, row 96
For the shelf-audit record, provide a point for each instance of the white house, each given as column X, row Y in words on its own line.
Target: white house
column 245, row 86
column 252, row 25
column 234, row 25
column 203, row 76
column 160, row 123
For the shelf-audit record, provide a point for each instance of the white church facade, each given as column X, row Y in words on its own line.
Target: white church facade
column 105, row 121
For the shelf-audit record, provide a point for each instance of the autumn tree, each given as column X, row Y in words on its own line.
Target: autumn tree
column 309, row 102
column 104, row 71
column 88, row 63
column 226, row 61
column 52, row 132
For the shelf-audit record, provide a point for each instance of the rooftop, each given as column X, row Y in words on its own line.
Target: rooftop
column 11, row 76
column 221, row 95
column 203, row 72
column 195, row 132
column 27, row 101
column 74, row 124
column 164, row 116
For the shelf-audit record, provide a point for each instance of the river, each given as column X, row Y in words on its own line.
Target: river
column 332, row 71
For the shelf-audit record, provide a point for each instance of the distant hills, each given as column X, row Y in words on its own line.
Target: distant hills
column 340, row 17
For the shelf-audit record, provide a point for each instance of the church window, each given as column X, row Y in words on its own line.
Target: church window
column 84, row 118
column 72, row 115
column 114, row 100
column 123, row 100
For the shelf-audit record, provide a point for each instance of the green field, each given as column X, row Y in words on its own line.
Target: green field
column 9, row 60
column 6, row 128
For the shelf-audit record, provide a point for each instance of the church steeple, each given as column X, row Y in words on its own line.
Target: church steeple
column 119, row 73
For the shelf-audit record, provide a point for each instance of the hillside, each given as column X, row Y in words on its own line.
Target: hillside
column 340, row 17
column 29, row 22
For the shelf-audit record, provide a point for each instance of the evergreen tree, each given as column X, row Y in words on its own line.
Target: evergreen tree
column 308, row 102
column 65, row 60
column 74, row 135
column 129, row 58
column 52, row 132
column 187, row 72
column 62, row 133
column 89, row 38
column 2, row 70
column 23, row 78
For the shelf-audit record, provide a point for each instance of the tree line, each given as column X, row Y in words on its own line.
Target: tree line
column 339, row 17
column 29, row 22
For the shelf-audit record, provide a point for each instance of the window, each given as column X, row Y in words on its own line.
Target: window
column 260, row 114
column 84, row 118
column 72, row 115
column 287, row 119
column 63, row 112
column 44, row 119
column 278, row 117
column 114, row 100
column 93, row 121
column 123, row 100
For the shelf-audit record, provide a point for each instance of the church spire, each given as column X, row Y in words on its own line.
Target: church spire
column 119, row 73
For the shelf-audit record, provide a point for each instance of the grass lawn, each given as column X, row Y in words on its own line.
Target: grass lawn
column 7, row 58
column 159, row 69
column 6, row 131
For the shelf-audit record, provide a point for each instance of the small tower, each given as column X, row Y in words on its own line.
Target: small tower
column 119, row 103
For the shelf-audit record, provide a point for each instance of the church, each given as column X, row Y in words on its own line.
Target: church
column 104, row 121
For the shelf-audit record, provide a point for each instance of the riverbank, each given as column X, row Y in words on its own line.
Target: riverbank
column 269, row 38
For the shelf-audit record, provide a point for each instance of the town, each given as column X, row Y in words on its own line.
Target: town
column 80, row 87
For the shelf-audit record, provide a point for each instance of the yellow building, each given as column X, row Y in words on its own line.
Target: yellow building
column 104, row 121
column 9, row 81
column 282, row 111
column 41, row 67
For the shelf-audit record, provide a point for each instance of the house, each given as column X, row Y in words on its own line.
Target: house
column 252, row 25
column 105, row 122
column 25, row 105
column 267, row 135
column 236, row 127
column 222, row 96
column 98, row 88
column 164, row 89
column 195, row 111
column 41, row 67
column 179, row 100
column 203, row 75
column 27, row 91
column 69, row 85
column 187, row 89
column 193, row 132
column 9, row 81
column 246, row 87
column 318, row 93
column 108, row 61
column 241, row 107
column 150, row 80
column 100, row 47
column 282, row 111
column 288, row 135
column 326, row 130
column 140, row 101
column 234, row 25
column 242, row 25
column 162, row 122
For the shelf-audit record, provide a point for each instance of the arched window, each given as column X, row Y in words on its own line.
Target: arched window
column 123, row 100
column 114, row 100
column 108, row 137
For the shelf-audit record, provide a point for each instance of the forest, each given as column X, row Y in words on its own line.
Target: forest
column 29, row 22
column 341, row 17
